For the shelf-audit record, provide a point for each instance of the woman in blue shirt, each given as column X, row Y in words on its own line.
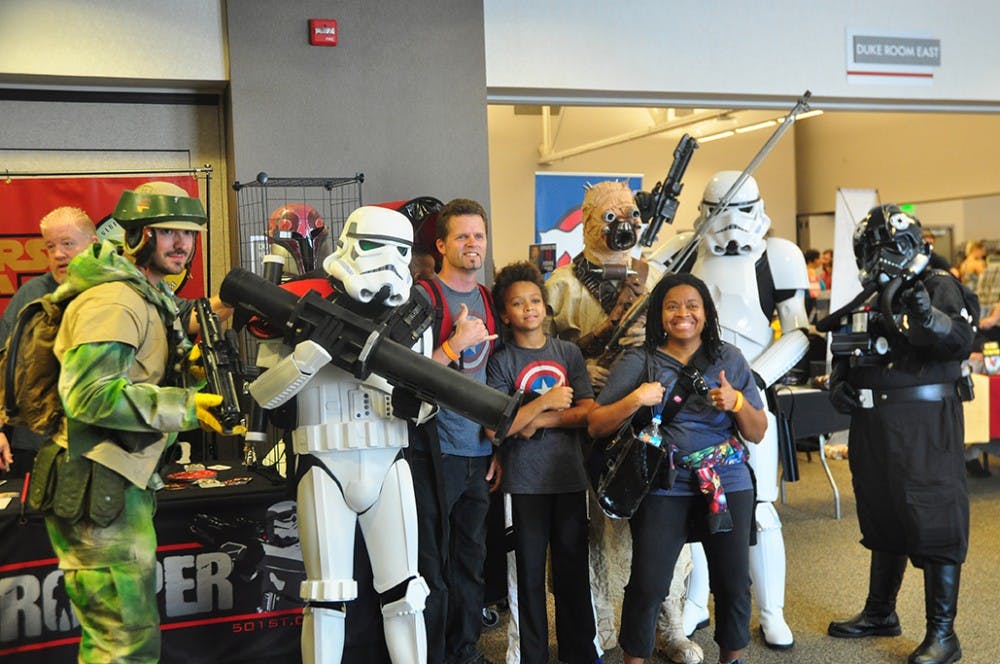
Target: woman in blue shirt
column 711, row 498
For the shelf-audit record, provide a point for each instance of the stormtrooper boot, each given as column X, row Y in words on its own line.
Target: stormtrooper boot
column 696, row 597
column 322, row 633
column 767, row 572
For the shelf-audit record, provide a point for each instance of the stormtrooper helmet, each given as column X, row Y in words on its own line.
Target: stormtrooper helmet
column 889, row 243
column 372, row 258
column 740, row 228
column 299, row 229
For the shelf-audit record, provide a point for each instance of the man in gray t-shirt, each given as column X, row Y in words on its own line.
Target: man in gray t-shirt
column 450, row 457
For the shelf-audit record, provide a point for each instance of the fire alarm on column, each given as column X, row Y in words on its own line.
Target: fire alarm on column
column 323, row 32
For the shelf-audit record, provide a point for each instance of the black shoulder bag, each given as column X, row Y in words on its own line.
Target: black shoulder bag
column 633, row 466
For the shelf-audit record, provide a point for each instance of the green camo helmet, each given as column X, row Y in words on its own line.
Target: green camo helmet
column 156, row 205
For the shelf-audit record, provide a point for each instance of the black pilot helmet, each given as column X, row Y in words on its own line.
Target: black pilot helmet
column 155, row 205
column 889, row 243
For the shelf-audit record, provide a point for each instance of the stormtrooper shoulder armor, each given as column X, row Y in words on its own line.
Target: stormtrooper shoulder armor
column 662, row 255
column 788, row 267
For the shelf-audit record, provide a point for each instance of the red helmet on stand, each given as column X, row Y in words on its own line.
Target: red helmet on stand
column 299, row 229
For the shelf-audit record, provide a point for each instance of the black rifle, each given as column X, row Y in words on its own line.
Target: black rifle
column 361, row 347
column 660, row 205
column 613, row 347
column 221, row 359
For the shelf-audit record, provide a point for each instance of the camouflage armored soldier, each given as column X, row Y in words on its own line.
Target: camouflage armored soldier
column 120, row 345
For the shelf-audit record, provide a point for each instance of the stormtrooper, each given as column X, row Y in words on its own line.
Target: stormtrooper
column 348, row 441
column 750, row 278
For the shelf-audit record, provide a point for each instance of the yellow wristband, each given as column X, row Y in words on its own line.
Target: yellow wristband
column 446, row 347
column 738, row 406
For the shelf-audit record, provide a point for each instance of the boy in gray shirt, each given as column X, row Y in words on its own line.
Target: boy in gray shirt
column 544, row 477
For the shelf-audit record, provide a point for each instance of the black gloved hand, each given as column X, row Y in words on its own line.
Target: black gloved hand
column 917, row 304
column 844, row 397
column 645, row 202
column 927, row 325
column 405, row 403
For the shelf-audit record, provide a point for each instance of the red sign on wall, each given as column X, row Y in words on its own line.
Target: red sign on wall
column 24, row 202
column 323, row 32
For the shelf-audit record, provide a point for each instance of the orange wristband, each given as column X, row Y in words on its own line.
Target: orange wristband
column 446, row 347
column 738, row 406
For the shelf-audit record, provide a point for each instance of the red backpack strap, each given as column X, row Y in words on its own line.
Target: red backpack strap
column 442, row 317
column 491, row 314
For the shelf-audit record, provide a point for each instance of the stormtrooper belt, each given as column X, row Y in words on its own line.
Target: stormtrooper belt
column 871, row 398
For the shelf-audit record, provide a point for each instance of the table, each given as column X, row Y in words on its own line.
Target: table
column 812, row 414
column 229, row 567
column 982, row 414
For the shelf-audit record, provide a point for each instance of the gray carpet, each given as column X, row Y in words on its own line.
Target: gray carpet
column 828, row 579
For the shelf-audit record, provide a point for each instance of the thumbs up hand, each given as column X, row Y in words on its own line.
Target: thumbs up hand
column 725, row 397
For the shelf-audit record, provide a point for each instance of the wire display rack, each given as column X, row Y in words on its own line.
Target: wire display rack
column 333, row 198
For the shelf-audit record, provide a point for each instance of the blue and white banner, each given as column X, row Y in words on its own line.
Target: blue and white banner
column 558, row 197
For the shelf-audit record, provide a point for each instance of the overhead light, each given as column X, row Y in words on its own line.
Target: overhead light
column 809, row 114
column 715, row 137
column 755, row 127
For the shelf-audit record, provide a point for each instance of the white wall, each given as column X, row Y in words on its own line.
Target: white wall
column 175, row 41
column 642, row 50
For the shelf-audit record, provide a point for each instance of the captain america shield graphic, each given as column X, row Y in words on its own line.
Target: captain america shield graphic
column 537, row 378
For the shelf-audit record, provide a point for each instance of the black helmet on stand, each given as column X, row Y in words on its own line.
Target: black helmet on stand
column 889, row 243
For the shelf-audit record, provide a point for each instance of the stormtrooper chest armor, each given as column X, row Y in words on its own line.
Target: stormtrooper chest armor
column 732, row 280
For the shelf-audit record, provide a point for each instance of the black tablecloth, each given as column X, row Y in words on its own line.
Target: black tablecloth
column 811, row 412
column 229, row 571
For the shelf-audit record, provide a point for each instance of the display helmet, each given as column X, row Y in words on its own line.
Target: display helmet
column 300, row 230
column 281, row 524
column 372, row 258
column 889, row 243
column 611, row 218
column 740, row 228
column 155, row 205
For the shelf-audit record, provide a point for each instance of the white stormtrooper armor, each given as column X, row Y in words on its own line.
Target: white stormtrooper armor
column 726, row 261
column 350, row 442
